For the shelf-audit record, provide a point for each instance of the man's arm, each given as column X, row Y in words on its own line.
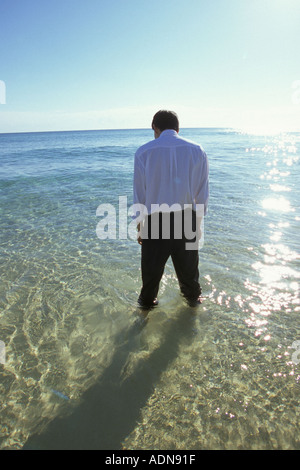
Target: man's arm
column 139, row 189
column 202, row 184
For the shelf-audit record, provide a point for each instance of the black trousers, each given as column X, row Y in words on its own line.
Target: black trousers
column 156, row 250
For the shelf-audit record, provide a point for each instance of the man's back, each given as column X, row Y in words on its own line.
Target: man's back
column 170, row 170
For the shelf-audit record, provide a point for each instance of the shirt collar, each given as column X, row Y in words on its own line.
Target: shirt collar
column 168, row 132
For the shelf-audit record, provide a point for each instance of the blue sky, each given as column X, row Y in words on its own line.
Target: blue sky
column 99, row 64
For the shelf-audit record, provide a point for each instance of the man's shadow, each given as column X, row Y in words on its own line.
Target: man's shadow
column 109, row 410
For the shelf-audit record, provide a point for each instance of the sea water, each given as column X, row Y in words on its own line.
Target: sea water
column 82, row 366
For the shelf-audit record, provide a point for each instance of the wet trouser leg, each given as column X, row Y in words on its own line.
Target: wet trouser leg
column 155, row 253
column 186, row 267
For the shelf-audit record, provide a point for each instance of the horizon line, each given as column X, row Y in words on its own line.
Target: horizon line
column 111, row 129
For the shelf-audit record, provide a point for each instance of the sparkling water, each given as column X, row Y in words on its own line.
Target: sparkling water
column 82, row 367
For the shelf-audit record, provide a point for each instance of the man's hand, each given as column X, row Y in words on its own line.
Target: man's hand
column 139, row 238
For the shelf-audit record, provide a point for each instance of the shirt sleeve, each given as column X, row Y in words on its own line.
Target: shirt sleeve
column 202, row 185
column 139, row 182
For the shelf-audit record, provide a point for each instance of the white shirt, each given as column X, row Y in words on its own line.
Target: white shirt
column 170, row 170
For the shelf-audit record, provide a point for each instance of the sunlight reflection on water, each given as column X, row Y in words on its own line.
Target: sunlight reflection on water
column 222, row 377
column 280, row 204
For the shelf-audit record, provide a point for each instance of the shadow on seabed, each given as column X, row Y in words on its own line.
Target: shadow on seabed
column 109, row 410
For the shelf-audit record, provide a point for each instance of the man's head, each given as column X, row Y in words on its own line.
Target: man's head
column 163, row 120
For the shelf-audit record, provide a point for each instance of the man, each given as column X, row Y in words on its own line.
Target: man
column 170, row 172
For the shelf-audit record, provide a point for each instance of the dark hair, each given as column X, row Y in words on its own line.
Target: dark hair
column 165, row 120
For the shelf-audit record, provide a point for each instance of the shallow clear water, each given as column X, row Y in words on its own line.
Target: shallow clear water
column 84, row 368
